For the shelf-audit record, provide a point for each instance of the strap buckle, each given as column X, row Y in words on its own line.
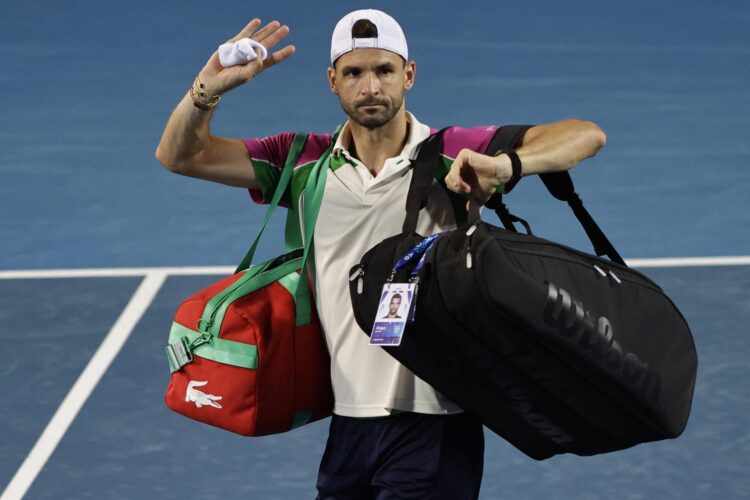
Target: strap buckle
column 179, row 354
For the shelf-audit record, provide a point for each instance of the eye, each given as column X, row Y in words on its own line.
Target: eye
column 352, row 72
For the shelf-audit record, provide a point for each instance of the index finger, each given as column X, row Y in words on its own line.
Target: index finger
column 251, row 26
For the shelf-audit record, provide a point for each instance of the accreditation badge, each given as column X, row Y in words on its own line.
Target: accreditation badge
column 393, row 312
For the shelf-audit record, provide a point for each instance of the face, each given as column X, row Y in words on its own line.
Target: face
column 394, row 305
column 371, row 84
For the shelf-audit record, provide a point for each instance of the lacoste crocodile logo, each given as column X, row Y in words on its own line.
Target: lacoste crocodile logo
column 200, row 398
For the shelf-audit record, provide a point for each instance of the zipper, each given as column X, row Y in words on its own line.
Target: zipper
column 205, row 328
column 469, row 259
column 223, row 296
column 413, row 307
column 544, row 243
column 609, row 273
column 359, row 275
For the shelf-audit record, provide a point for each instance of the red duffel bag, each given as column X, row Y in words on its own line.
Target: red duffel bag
column 247, row 354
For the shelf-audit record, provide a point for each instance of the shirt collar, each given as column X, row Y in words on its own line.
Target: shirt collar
column 418, row 132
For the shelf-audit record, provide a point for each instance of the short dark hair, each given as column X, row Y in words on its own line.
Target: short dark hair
column 364, row 29
column 396, row 296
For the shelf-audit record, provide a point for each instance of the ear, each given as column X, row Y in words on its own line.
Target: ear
column 332, row 80
column 410, row 74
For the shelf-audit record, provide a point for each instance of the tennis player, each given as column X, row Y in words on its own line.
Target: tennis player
column 392, row 436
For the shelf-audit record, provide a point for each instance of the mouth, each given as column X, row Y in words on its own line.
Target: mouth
column 371, row 105
column 372, row 109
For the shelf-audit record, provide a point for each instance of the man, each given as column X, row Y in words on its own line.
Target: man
column 393, row 306
column 392, row 435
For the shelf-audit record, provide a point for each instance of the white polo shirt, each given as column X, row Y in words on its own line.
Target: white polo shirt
column 358, row 211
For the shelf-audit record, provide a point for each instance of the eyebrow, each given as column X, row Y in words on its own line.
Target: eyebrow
column 385, row 65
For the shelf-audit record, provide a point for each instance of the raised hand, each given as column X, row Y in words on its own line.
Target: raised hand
column 218, row 79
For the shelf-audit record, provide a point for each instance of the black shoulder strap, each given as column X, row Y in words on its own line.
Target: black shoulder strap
column 422, row 177
column 505, row 137
column 560, row 185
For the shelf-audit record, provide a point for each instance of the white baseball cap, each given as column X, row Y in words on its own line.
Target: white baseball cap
column 390, row 35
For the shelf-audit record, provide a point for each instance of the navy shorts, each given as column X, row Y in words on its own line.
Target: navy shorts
column 405, row 456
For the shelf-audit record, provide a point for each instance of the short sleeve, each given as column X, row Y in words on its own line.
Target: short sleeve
column 269, row 155
column 475, row 138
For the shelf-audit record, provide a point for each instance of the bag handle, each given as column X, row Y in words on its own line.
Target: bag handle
column 295, row 151
column 505, row 137
column 560, row 185
column 313, row 197
column 424, row 169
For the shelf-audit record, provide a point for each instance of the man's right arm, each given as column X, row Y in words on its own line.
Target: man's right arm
column 187, row 146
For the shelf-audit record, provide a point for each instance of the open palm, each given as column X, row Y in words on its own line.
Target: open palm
column 218, row 79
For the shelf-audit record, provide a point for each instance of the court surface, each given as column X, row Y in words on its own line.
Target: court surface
column 88, row 87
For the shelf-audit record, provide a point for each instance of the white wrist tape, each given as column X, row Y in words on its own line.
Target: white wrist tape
column 240, row 52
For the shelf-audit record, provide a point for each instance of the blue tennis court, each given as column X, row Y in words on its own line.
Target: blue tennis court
column 99, row 244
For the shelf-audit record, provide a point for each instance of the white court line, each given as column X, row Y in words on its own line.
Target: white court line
column 82, row 389
column 114, row 272
column 740, row 260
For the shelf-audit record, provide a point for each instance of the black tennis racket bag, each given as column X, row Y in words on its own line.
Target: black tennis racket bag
column 555, row 350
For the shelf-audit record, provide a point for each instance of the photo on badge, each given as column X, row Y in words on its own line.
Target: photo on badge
column 391, row 317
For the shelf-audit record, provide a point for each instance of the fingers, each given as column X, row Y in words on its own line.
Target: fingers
column 273, row 37
column 278, row 56
column 251, row 26
column 267, row 31
column 472, row 174
column 272, row 29
column 269, row 35
column 455, row 180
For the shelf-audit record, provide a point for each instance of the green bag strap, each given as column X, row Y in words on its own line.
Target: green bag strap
column 184, row 341
column 255, row 279
column 295, row 151
column 292, row 233
column 313, row 198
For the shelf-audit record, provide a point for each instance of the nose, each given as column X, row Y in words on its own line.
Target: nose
column 371, row 84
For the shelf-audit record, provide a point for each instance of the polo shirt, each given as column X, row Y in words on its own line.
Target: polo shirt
column 357, row 212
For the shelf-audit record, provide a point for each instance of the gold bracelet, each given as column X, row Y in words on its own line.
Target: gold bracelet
column 201, row 99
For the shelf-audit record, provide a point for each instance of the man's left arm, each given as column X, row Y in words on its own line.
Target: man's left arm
column 546, row 148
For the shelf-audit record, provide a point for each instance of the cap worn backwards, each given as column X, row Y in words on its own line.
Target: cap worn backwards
column 390, row 35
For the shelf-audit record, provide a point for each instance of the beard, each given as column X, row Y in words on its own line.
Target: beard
column 372, row 118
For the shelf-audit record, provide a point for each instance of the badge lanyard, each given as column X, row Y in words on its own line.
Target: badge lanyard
column 389, row 326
